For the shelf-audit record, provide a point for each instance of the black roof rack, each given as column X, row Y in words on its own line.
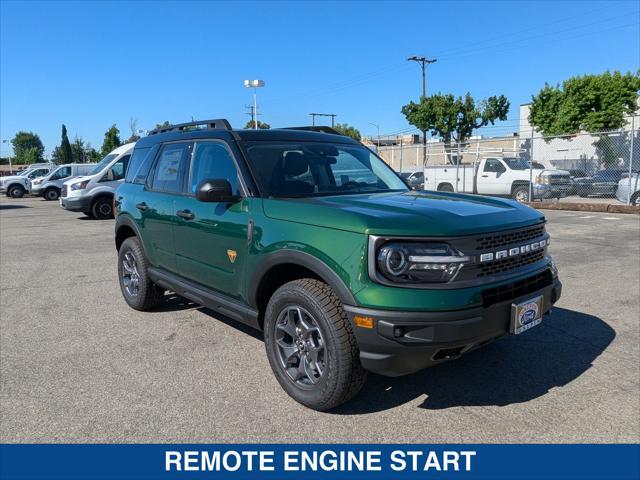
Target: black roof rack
column 216, row 124
column 319, row 128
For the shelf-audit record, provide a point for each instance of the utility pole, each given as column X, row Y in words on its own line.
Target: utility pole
column 423, row 61
column 332, row 115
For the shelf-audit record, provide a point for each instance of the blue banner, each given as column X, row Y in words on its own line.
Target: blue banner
column 326, row 461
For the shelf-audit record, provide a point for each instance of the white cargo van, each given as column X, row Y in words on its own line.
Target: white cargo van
column 93, row 193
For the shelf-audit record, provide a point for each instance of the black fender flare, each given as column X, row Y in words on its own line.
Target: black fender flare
column 302, row 259
column 126, row 221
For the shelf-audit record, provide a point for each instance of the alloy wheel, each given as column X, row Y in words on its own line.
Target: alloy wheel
column 130, row 275
column 300, row 345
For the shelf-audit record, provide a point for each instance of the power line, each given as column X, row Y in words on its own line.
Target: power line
column 519, row 31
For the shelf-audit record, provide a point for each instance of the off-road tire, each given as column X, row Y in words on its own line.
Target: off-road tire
column 16, row 191
column 102, row 208
column 343, row 375
column 149, row 294
column 51, row 194
column 521, row 193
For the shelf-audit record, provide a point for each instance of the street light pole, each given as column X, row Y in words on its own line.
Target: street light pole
column 423, row 61
column 10, row 166
column 255, row 84
column 378, row 128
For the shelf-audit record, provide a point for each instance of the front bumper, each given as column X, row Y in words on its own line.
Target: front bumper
column 544, row 191
column 405, row 342
column 76, row 204
column 36, row 191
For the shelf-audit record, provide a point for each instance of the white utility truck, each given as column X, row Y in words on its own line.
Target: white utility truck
column 499, row 177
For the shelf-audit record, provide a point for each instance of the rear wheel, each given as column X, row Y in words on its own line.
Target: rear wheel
column 521, row 193
column 311, row 346
column 445, row 187
column 137, row 288
column 102, row 208
column 16, row 191
column 635, row 199
column 51, row 194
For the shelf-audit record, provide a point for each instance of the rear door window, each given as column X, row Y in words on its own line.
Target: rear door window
column 168, row 175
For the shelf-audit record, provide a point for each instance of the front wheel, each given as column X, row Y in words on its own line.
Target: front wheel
column 635, row 199
column 52, row 194
column 311, row 345
column 102, row 208
column 137, row 288
column 16, row 191
column 521, row 193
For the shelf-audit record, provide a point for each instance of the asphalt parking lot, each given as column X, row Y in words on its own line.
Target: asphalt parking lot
column 78, row 365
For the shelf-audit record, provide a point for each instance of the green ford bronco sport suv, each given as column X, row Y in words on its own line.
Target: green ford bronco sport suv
column 312, row 238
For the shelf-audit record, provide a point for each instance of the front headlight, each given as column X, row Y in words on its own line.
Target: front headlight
column 79, row 185
column 405, row 262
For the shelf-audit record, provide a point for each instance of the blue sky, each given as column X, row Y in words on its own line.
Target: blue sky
column 92, row 64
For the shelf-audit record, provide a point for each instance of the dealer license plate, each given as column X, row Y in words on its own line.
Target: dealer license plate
column 526, row 315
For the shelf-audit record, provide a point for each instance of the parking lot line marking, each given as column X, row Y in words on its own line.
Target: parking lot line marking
column 587, row 216
column 611, row 218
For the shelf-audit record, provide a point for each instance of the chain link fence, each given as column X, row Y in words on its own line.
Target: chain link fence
column 595, row 167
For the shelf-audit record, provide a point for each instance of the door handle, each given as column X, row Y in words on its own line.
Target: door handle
column 186, row 214
column 141, row 206
column 485, row 176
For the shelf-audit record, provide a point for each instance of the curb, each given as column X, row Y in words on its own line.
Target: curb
column 586, row 207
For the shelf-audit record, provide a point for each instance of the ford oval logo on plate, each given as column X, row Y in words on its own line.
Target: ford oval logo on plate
column 526, row 315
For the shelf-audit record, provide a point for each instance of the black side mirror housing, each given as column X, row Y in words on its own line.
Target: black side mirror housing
column 216, row 190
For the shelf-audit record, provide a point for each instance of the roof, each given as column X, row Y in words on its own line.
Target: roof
column 218, row 129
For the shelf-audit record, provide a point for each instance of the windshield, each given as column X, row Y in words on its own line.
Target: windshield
column 517, row 163
column 301, row 169
column 103, row 163
column 26, row 172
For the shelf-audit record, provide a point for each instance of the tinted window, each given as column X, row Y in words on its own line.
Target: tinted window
column 168, row 174
column 212, row 160
column 140, row 164
column 61, row 173
column 493, row 165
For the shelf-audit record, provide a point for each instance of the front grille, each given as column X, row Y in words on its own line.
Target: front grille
column 511, row 291
column 495, row 240
column 556, row 180
column 63, row 191
column 508, row 264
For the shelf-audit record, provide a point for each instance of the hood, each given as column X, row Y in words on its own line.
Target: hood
column 409, row 213
column 12, row 178
column 80, row 178
column 553, row 171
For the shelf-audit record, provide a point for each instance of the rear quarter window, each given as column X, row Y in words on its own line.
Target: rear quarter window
column 140, row 164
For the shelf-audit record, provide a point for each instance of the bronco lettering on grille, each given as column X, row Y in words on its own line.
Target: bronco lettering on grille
column 512, row 252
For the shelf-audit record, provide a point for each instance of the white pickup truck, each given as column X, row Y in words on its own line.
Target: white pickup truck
column 499, row 177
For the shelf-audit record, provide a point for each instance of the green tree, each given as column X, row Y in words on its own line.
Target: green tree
column 23, row 143
column 93, row 156
column 64, row 153
column 32, row 155
column 261, row 125
column 111, row 140
column 164, row 124
column 78, row 151
column 591, row 103
column 348, row 130
column 455, row 119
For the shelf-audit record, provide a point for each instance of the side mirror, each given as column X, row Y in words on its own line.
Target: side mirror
column 216, row 190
